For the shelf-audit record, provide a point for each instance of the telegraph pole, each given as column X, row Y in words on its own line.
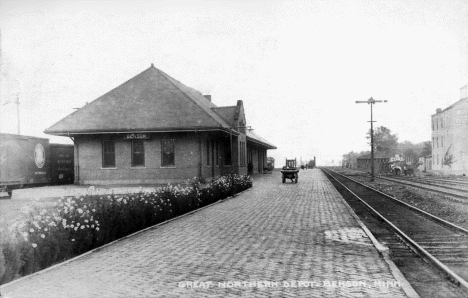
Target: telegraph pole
column 371, row 101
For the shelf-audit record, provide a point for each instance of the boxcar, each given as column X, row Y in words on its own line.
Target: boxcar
column 24, row 161
column 61, row 164
column 30, row 161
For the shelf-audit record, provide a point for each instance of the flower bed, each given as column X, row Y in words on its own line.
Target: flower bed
column 76, row 225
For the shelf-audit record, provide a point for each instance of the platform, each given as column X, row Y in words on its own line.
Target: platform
column 274, row 240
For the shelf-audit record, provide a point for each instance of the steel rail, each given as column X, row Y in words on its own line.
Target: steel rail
column 428, row 188
column 421, row 251
column 453, row 196
column 449, row 181
column 429, row 215
column 429, row 181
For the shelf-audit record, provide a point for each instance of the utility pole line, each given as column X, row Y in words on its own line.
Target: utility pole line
column 371, row 101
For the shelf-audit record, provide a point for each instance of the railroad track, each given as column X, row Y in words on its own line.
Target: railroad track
column 457, row 187
column 453, row 193
column 457, row 194
column 458, row 182
column 433, row 239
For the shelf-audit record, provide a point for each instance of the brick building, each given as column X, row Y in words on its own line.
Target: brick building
column 154, row 129
column 450, row 137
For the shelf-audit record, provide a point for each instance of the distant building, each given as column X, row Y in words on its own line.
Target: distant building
column 380, row 162
column 153, row 129
column 450, row 137
column 383, row 162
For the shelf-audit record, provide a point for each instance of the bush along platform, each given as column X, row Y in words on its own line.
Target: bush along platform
column 73, row 226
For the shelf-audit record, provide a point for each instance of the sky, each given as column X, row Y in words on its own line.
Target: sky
column 298, row 66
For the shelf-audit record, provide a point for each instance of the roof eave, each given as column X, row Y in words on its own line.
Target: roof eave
column 122, row 131
column 268, row 146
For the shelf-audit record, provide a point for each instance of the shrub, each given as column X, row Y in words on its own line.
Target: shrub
column 76, row 225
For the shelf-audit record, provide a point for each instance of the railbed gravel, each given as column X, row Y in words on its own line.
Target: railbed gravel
column 436, row 204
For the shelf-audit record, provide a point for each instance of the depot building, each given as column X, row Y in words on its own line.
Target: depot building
column 153, row 129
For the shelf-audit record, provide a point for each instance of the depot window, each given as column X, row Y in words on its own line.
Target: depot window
column 227, row 153
column 108, row 154
column 208, row 153
column 216, row 153
column 138, row 153
column 167, row 156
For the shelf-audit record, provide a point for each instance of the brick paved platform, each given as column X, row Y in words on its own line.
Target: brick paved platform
column 261, row 243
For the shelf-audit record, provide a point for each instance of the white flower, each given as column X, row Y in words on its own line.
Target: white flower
column 76, row 228
column 86, row 220
column 34, row 245
column 94, row 210
column 25, row 234
column 92, row 226
column 42, row 236
column 31, row 230
column 97, row 228
column 80, row 210
column 73, row 240
column 82, row 227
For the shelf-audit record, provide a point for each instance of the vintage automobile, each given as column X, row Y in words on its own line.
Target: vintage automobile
column 290, row 171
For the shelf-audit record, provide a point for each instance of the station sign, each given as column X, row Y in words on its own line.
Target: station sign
column 137, row 136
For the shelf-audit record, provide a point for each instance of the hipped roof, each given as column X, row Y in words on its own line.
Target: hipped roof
column 150, row 101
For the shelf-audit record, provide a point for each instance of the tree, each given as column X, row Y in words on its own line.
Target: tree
column 270, row 163
column 427, row 148
column 350, row 158
column 449, row 159
column 384, row 140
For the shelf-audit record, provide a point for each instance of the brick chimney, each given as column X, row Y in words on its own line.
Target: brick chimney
column 207, row 97
column 464, row 92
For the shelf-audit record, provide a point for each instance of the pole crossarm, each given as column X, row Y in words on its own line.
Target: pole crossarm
column 370, row 101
